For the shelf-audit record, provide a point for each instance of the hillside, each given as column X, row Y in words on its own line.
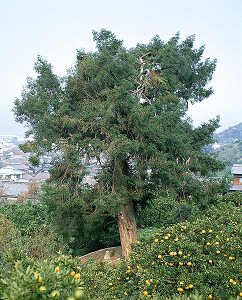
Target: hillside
column 229, row 135
column 230, row 149
column 231, row 153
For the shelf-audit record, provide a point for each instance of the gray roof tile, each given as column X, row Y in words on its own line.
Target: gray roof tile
column 236, row 187
column 237, row 169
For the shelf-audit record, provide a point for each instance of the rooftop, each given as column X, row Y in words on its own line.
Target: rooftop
column 237, row 169
column 13, row 188
column 236, row 187
column 9, row 171
column 19, row 167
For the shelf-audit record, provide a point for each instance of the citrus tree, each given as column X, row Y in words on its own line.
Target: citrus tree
column 123, row 110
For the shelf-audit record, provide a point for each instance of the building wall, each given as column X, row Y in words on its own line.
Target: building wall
column 238, row 180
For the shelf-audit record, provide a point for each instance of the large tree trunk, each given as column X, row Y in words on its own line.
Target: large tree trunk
column 127, row 228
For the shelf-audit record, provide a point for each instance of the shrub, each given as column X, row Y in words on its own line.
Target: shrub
column 19, row 244
column 184, row 260
column 43, row 280
column 27, row 217
column 235, row 197
column 10, row 242
column 83, row 228
column 165, row 210
column 203, row 256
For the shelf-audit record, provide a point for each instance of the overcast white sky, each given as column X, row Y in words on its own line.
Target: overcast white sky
column 56, row 28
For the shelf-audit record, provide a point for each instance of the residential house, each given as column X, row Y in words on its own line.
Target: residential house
column 9, row 173
column 13, row 189
column 237, row 178
column 19, row 167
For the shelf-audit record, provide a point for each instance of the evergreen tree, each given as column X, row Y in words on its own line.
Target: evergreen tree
column 126, row 110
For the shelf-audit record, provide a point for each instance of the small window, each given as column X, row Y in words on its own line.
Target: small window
column 240, row 180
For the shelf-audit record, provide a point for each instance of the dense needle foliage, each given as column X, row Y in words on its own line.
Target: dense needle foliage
column 125, row 111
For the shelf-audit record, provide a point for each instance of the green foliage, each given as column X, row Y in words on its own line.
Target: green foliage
column 156, row 265
column 163, row 211
column 99, row 112
column 235, row 197
column 231, row 154
column 82, row 231
column 196, row 198
column 34, row 160
column 25, row 234
column 124, row 110
column 10, row 242
column 191, row 297
column 26, row 217
column 209, row 261
column 181, row 261
column 42, row 280
column 209, row 258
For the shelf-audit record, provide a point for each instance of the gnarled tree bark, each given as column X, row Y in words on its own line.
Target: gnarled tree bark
column 127, row 228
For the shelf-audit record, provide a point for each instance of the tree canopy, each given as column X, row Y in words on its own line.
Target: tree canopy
column 125, row 110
